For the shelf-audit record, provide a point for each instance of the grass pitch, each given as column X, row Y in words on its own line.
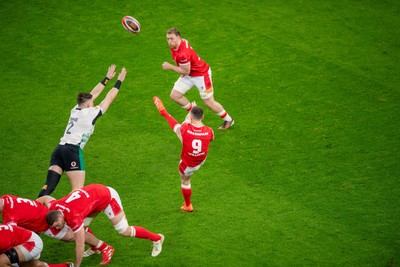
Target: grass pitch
column 308, row 176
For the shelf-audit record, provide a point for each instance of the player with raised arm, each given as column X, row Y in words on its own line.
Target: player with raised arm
column 79, row 207
column 68, row 156
column 195, row 138
column 23, row 247
column 195, row 72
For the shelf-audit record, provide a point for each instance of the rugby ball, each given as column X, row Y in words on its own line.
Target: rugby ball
column 131, row 24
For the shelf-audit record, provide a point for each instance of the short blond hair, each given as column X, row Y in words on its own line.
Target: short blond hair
column 174, row 31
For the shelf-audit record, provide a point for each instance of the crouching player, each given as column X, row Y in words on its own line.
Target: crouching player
column 81, row 206
column 31, row 215
column 23, row 247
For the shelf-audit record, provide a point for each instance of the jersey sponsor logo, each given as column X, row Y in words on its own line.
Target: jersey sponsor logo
column 73, row 165
column 198, row 134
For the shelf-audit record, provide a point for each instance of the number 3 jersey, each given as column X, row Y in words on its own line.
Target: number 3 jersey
column 195, row 143
column 80, row 125
column 26, row 213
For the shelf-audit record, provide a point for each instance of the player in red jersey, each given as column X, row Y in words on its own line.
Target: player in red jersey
column 194, row 72
column 81, row 206
column 31, row 214
column 195, row 138
column 23, row 247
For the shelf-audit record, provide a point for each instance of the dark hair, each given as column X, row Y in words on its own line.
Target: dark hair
column 83, row 97
column 197, row 113
column 174, row 31
column 52, row 216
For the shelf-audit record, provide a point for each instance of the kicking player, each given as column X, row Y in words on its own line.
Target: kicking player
column 81, row 206
column 68, row 156
column 195, row 138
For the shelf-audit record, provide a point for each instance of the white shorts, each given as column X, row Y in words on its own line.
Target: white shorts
column 188, row 171
column 115, row 206
column 32, row 248
column 112, row 209
column 202, row 83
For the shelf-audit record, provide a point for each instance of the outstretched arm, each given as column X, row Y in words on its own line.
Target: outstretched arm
column 112, row 94
column 101, row 85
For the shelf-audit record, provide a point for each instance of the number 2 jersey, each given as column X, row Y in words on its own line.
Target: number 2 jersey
column 81, row 125
column 26, row 213
column 195, row 143
column 79, row 204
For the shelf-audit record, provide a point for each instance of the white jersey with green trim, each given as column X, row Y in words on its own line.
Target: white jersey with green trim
column 81, row 125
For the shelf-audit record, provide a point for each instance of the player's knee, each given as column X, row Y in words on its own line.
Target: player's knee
column 175, row 95
column 122, row 227
column 209, row 102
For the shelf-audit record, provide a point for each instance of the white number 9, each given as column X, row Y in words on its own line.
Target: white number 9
column 196, row 144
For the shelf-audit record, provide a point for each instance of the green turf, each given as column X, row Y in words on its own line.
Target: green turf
column 308, row 176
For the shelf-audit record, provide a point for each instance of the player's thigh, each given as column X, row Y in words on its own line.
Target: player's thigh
column 4, row 260
column 183, row 84
column 114, row 210
column 188, row 171
column 31, row 249
column 72, row 157
column 56, row 158
column 204, row 85
column 76, row 178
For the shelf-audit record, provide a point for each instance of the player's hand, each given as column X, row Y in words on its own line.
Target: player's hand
column 167, row 66
column 111, row 72
column 122, row 74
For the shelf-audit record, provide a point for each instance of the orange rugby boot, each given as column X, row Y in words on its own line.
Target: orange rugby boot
column 159, row 104
column 187, row 208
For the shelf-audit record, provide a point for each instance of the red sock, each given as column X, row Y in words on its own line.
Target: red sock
column 171, row 120
column 102, row 246
column 143, row 233
column 224, row 115
column 189, row 108
column 187, row 193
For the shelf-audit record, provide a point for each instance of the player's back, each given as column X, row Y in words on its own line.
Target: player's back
column 84, row 201
column 80, row 125
column 26, row 213
column 195, row 143
column 11, row 236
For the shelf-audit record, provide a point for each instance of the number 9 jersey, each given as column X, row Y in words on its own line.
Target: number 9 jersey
column 195, row 143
